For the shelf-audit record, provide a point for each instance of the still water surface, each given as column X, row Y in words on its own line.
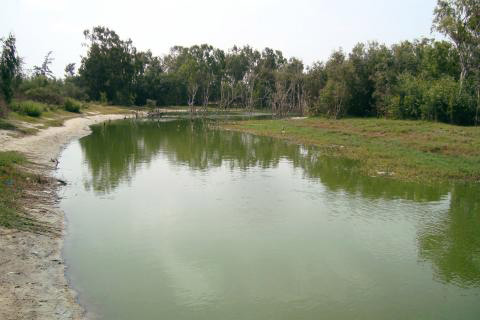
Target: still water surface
column 180, row 220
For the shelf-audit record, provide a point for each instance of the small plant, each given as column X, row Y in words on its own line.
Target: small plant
column 103, row 98
column 29, row 108
column 4, row 125
column 72, row 105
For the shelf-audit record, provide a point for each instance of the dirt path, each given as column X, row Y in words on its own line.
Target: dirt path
column 32, row 272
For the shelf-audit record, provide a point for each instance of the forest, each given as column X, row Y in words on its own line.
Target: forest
column 425, row 79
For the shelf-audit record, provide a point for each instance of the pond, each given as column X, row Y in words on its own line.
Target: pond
column 182, row 220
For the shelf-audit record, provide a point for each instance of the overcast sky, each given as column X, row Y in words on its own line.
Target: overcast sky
column 307, row 29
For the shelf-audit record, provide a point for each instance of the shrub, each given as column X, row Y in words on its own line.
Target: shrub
column 103, row 98
column 46, row 94
column 29, row 108
column 3, row 108
column 440, row 99
column 72, row 105
column 408, row 98
column 72, row 90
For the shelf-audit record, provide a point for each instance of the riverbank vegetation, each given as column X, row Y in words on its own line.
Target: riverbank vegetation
column 14, row 184
column 423, row 79
column 406, row 150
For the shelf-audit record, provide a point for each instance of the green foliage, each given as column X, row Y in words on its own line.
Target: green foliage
column 103, row 98
column 109, row 66
column 10, row 64
column 72, row 105
column 51, row 91
column 440, row 99
column 420, row 79
column 409, row 80
column 47, row 94
column 28, row 107
column 407, row 101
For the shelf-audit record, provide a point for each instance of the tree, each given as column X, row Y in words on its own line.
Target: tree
column 315, row 81
column 44, row 69
column 289, row 95
column 191, row 71
column 10, row 65
column 109, row 66
column 70, row 70
column 382, row 73
column 459, row 20
column 336, row 94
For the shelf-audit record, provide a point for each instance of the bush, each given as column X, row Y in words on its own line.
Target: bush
column 72, row 90
column 46, row 94
column 440, row 99
column 103, row 98
column 72, row 105
column 3, row 108
column 29, row 108
column 408, row 98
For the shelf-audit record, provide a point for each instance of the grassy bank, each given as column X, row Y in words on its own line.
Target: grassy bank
column 14, row 182
column 406, row 150
column 24, row 121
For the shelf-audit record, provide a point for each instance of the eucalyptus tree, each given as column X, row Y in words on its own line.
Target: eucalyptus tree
column 44, row 69
column 235, row 68
column 108, row 67
column 290, row 94
column 211, row 61
column 271, row 61
column 335, row 96
column 70, row 70
column 10, row 67
column 315, row 80
column 250, row 77
column 360, row 82
column 190, row 69
column 382, row 73
column 459, row 20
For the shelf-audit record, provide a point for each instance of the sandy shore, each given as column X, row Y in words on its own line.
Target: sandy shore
column 32, row 272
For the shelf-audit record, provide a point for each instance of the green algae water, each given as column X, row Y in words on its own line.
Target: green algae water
column 181, row 220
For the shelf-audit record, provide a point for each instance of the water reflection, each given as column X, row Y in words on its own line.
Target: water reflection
column 114, row 152
column 452, row 242
column 449, row 239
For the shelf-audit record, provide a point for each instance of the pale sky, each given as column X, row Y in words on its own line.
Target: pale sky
column 307, row 29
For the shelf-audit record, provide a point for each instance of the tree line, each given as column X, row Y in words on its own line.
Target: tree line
column 421, row 79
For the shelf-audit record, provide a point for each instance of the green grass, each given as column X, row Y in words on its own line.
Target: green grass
column 29, row 108
column 5, row 125
column 13, row 183
column 406, row 150
column 72, row 105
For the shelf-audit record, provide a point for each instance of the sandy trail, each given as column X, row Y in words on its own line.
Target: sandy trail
column 32, row 272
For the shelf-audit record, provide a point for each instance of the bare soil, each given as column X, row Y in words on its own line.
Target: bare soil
column 32, row 271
